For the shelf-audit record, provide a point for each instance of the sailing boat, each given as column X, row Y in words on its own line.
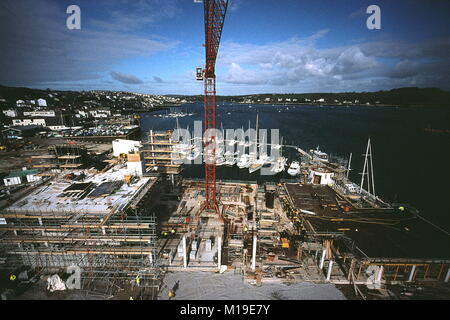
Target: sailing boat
column 258, row 161
column 244, row 161
column 230, row 159
column 280, row 162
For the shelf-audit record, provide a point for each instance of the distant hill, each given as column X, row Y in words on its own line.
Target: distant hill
column 408, row 96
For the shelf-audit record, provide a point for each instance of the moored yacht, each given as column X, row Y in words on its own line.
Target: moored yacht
column 319, row 155
column 244, row 161
column 294, row 168
column 279, row 165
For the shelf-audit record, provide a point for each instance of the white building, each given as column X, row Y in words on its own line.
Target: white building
column 122, row 146
column 100, row 113
column 19, row 177
column 322, row 176
column 26, row 122
column 10, row 113
column 49, row 113
column 135, row 165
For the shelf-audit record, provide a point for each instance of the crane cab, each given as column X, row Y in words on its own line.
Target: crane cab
column 199, row 73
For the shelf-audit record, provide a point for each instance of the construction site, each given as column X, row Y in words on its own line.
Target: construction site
column 127, row 226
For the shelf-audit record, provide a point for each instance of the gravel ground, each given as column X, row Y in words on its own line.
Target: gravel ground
column 229, row 286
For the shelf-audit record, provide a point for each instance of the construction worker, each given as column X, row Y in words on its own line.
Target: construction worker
column 401, row 208
column 172, row 231
column 138, row 280
column 170, row 294
column 12, row 277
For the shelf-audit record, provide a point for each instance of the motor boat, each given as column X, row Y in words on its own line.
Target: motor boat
column 294, row 168
column 319, row 155
column 230, row 159
column 279, row 165
column 244, row 161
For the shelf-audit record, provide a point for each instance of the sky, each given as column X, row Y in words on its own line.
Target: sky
column 268, row 46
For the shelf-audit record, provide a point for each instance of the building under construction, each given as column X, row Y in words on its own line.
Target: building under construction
column 99, row 222
column 159, row 154
column 292, row 232
column 66, row 156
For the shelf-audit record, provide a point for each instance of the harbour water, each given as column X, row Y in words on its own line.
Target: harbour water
column 410, row 163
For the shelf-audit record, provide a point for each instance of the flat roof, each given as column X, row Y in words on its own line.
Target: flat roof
column 21, row 173
column 378, row 234
column 62, row 196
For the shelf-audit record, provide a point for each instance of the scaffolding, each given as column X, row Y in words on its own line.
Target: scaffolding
column 114, row 248
column 64, row 156
column 160, row 156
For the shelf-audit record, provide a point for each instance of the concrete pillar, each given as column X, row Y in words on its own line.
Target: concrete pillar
column 40, row 221
column 103, row 230
column 254, row 253
column 380, row 274
column 411, row 274
column 184, row 252
column 330, row 267
column 350, row 271
column 219, row 252
column 322, row 260
column 447, row 277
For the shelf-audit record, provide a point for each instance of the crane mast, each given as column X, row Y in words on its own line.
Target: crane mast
column 214, row 11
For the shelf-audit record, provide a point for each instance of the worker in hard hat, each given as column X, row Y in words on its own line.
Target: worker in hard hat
column 172, row 231
column 138, row 280
column 170, row 294
column 401, row 208
column 12, row 277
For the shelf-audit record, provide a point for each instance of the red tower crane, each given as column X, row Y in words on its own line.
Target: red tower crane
column 215, row 11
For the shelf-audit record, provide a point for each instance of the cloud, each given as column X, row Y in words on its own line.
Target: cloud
column 137, row 15
column 298, row 64
column 42, row 50
column 157, row 79
column 234, row 5
column 126, row 78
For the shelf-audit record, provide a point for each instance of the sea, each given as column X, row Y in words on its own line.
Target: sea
column 410, row 145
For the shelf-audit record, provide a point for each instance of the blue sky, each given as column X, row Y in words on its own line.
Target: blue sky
column 279, row 46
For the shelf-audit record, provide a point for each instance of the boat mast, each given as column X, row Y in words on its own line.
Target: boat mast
column 364, row 169
column 349, row 164
column 371, row 169
column 369, row 173
column 256, row 137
